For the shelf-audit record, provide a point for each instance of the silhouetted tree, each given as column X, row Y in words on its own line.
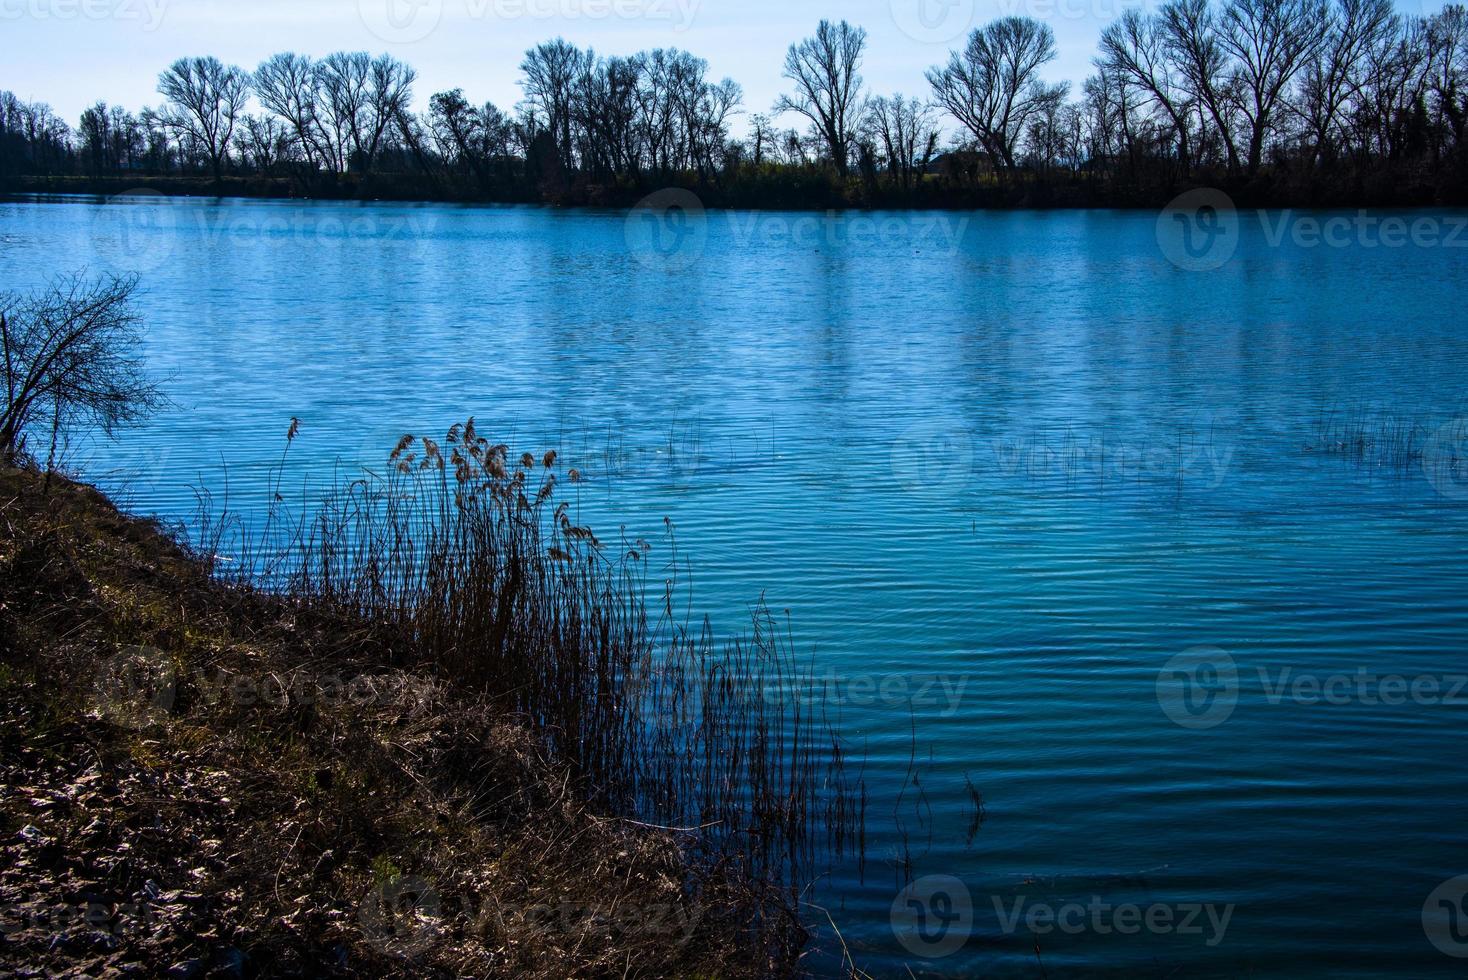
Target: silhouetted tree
column 1307, row 99
column 205, row 100
column 993, row 87
column 69, row 357
column 906, row 134
column 826, row 72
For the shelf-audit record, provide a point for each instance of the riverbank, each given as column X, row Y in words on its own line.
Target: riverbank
column 812, row 192
column 207, row 780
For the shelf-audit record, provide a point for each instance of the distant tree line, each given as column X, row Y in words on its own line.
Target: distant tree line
column 1309, row 101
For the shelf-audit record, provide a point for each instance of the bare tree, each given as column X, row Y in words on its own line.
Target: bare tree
column 1397, row 79
column 1336, row 72
column 908, row 137
column 551, row 74
column 681, row 118
column 454, row 128
column 267, row 142
column 469, row 138
column 205, row 99
column 157, row 150
column 1448, row 34
column 92, row 133
column 657, row 120
column 1195, row 45
column 389, row 93
column 70, row 358
column 604, row 113
column 1337, row 89
column 1136, row 46
column 343, row 79
column 704, row 109
column 287, row 85
column 1052, row 138
column 1102, row 106
column 762, row 136
column 993, row 86
column 1271, row 41
column 826, row 73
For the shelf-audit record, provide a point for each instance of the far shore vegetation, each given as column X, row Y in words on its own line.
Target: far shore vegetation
column 1278, row 102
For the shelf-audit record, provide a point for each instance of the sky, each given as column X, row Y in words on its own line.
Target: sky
column 72, row 53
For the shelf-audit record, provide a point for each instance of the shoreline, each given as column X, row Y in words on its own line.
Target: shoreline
column 1040, row 197
column 206, row 775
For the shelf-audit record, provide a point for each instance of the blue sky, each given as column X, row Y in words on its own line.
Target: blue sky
column 71, row 53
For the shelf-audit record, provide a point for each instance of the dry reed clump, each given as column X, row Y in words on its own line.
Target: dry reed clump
column 460, row 559
column 352, row 810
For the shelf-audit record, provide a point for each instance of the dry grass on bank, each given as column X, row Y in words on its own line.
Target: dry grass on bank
column 211, row 781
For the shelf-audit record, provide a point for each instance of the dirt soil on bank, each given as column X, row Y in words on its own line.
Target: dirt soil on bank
column 199, row 780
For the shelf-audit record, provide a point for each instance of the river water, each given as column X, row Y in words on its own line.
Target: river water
column 1154, row 535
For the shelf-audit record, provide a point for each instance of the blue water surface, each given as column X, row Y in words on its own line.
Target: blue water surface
column 1061, row 516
